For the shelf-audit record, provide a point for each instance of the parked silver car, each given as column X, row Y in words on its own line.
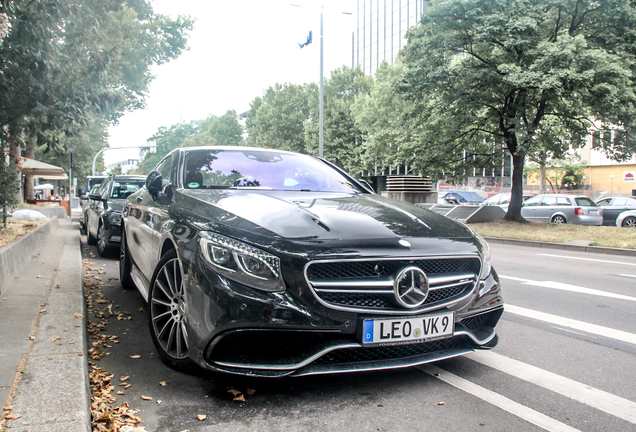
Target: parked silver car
column 562, row 208
column 614, row 206
column 627, row 219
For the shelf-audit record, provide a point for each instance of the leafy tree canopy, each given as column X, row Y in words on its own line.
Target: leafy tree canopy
column 66, row 61
column 277, row 120
column 491, row 73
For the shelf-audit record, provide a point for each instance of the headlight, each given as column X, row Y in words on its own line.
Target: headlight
column 114, row 217
column 485, row 255
column 240, row 262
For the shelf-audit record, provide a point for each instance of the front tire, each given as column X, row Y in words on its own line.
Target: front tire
column 125, row 263
column 559, row 220
column 167, row 313
column 102, row 249
column 629, row 222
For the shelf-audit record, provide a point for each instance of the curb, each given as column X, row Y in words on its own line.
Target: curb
column 562, row 246
column 51, row 391
column 14, row 257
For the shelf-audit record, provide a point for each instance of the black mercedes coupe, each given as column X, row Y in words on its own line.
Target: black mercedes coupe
column 270, row 263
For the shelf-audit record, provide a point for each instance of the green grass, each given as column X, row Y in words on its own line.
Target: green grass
column 597, row 235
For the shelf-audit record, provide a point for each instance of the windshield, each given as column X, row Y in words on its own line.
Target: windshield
column 122, row 189
column 259, row 169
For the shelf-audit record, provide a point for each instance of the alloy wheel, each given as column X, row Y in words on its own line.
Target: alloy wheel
column 630, row 222
column 101, row 241
column 167, row 310
column 558, row 220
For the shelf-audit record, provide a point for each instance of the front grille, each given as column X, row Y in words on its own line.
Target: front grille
column 351, row 355
column 367, row 285
column 363, row 269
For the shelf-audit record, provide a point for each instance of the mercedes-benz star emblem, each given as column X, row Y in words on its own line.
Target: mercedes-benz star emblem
column 411, row 287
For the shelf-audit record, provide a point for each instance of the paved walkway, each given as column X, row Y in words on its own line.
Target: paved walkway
column 43, row 358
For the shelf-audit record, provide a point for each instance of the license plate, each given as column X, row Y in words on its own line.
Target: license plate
column 407, row 330
column 593, row 211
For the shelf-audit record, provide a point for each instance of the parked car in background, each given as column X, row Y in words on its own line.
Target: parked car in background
column 270, row 263
column 502, row 200
column 613, row 206
column 626, row 219
column 458, row 197
column 84, row 202
column 561, row 209
column 103, row 212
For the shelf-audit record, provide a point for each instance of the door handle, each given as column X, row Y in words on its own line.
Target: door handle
column 140, row 199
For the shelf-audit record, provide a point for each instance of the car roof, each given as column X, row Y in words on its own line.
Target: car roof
column 129, row 177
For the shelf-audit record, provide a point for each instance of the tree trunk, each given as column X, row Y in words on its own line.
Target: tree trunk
column 29, row 192
column 516, row 199
column 14, row 158
column 542, row 172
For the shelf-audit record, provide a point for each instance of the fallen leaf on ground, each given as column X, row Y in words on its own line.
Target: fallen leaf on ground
column 56, row 338
column 146, row 397
column 12, row 416
column 202, row 417
column 441, row 403
column 40, row 277
column 240, row 398
column 234, row 392
column 135, row 356
column 162, row 383
column 8, row 408
column 71, row 342
column 120, row 392
column 124, row 378
column 79, row 315
column 250, row 392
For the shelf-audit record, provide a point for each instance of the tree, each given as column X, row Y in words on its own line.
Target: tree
column 64, row 62
column 389, row 123
column 278, row 120
column 223, row 130
column 489, row 73
column 8, row 188
column 165, row 141
column 342, row 135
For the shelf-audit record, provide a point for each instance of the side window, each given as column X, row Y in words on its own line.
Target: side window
column 631, row 203
column 563, row 201
column 548, row 201
column 103, row 188
column 620, row 201
column 531, row 202
column 164, row 168
column 604, row 202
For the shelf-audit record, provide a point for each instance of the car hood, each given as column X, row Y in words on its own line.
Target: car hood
column 317, row 215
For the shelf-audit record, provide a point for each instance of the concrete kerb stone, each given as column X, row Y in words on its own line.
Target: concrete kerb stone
column 14, row 257
column 563, row 246
column 54, row 391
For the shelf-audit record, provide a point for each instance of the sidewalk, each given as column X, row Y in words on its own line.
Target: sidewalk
column 43, row 358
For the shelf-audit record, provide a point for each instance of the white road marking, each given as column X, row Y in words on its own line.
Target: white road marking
column 583, row 393
column 528, row 414
column 573, row 324
column 568, row 287
column 588, row 259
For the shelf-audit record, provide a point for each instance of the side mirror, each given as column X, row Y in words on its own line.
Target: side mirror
column 83, row 197
column 154, row 183
column 96, row 197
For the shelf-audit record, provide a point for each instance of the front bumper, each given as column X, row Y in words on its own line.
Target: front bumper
column 240, row 330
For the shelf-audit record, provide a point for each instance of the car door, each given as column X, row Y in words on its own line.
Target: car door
column 145, row 219
column 529, row 207
column 611, row 211
column 96, row 207
column 546, row 209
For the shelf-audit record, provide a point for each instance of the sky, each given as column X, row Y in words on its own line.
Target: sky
column 237, row 49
